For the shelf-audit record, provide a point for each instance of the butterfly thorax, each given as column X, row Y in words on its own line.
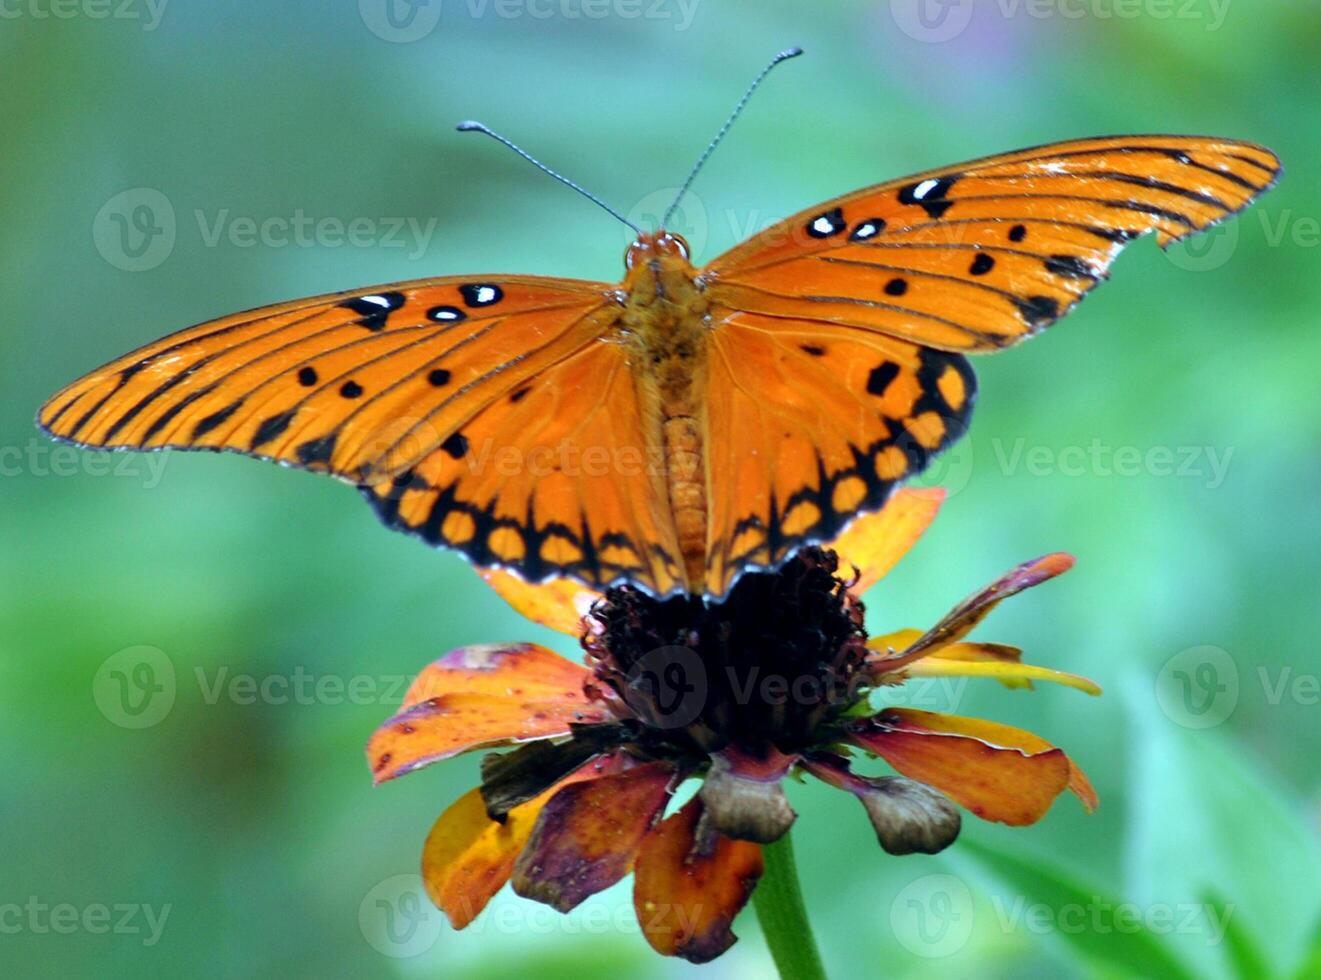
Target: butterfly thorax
column 666, row 325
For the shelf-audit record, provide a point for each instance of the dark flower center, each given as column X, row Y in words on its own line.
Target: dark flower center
column 771, row 664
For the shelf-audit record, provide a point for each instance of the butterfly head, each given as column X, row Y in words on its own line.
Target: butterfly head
column 664, row 247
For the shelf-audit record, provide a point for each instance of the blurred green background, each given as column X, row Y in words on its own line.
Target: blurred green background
column 155, row 161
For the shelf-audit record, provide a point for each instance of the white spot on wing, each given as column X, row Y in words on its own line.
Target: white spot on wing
column 924, row 188
column 375, row 300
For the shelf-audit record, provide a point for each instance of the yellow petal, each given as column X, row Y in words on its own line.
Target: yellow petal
column 873, row 543
column 1009, row 674
column 558, row 603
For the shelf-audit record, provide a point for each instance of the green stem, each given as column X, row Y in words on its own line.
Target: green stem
column 783, row 917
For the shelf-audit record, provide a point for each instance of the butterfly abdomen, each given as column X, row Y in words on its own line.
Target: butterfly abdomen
column 666, row 321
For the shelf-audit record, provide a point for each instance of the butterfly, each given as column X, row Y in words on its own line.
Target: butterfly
column 687, row 424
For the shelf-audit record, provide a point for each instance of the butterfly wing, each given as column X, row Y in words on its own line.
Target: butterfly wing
column 837, row 373
column 980, row 255
column 811, row 424
column 445, row 400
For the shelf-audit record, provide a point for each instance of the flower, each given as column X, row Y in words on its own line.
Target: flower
column 773, row 680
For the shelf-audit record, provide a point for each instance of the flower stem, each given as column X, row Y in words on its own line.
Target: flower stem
column 783, row 917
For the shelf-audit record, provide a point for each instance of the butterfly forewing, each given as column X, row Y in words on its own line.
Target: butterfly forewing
column 980, row 255
column 418, row 392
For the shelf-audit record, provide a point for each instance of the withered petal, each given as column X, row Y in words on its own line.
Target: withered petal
column 512, row 778
column 959, row 621
column 909, row 817
column 468, row 857
column 587, row 837
column 690, row 882
column 745, row 797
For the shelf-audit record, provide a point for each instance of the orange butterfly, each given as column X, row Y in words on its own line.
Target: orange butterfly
column 687, row 424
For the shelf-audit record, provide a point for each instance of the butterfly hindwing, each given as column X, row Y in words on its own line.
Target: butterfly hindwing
column 980, row 255
column 853, row 414
column 555, row 477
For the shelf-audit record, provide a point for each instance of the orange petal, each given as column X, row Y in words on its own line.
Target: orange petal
column 999, row 773
column 587, row 836
column 559, row 603
column 873, row 543
column 972, row 610
column 478, row 697
column 689, row 884
column 501, row 669
column 468, row 856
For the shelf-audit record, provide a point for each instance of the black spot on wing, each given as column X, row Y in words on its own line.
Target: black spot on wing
column 272, row 428
column 826, row 224
column 932, row 195
column 1069, row 266
column 456, row 446
column 1038, row 311
column 479, row 294
column 374, row 308
column 215, row 419
column 317, row 452
column 881, row 377
column 864, row 230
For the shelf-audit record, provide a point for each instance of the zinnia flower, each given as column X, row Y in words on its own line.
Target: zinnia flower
column 738, row 694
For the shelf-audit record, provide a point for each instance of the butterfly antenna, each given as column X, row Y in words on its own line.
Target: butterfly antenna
column 784, row 55
column 468, row 126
